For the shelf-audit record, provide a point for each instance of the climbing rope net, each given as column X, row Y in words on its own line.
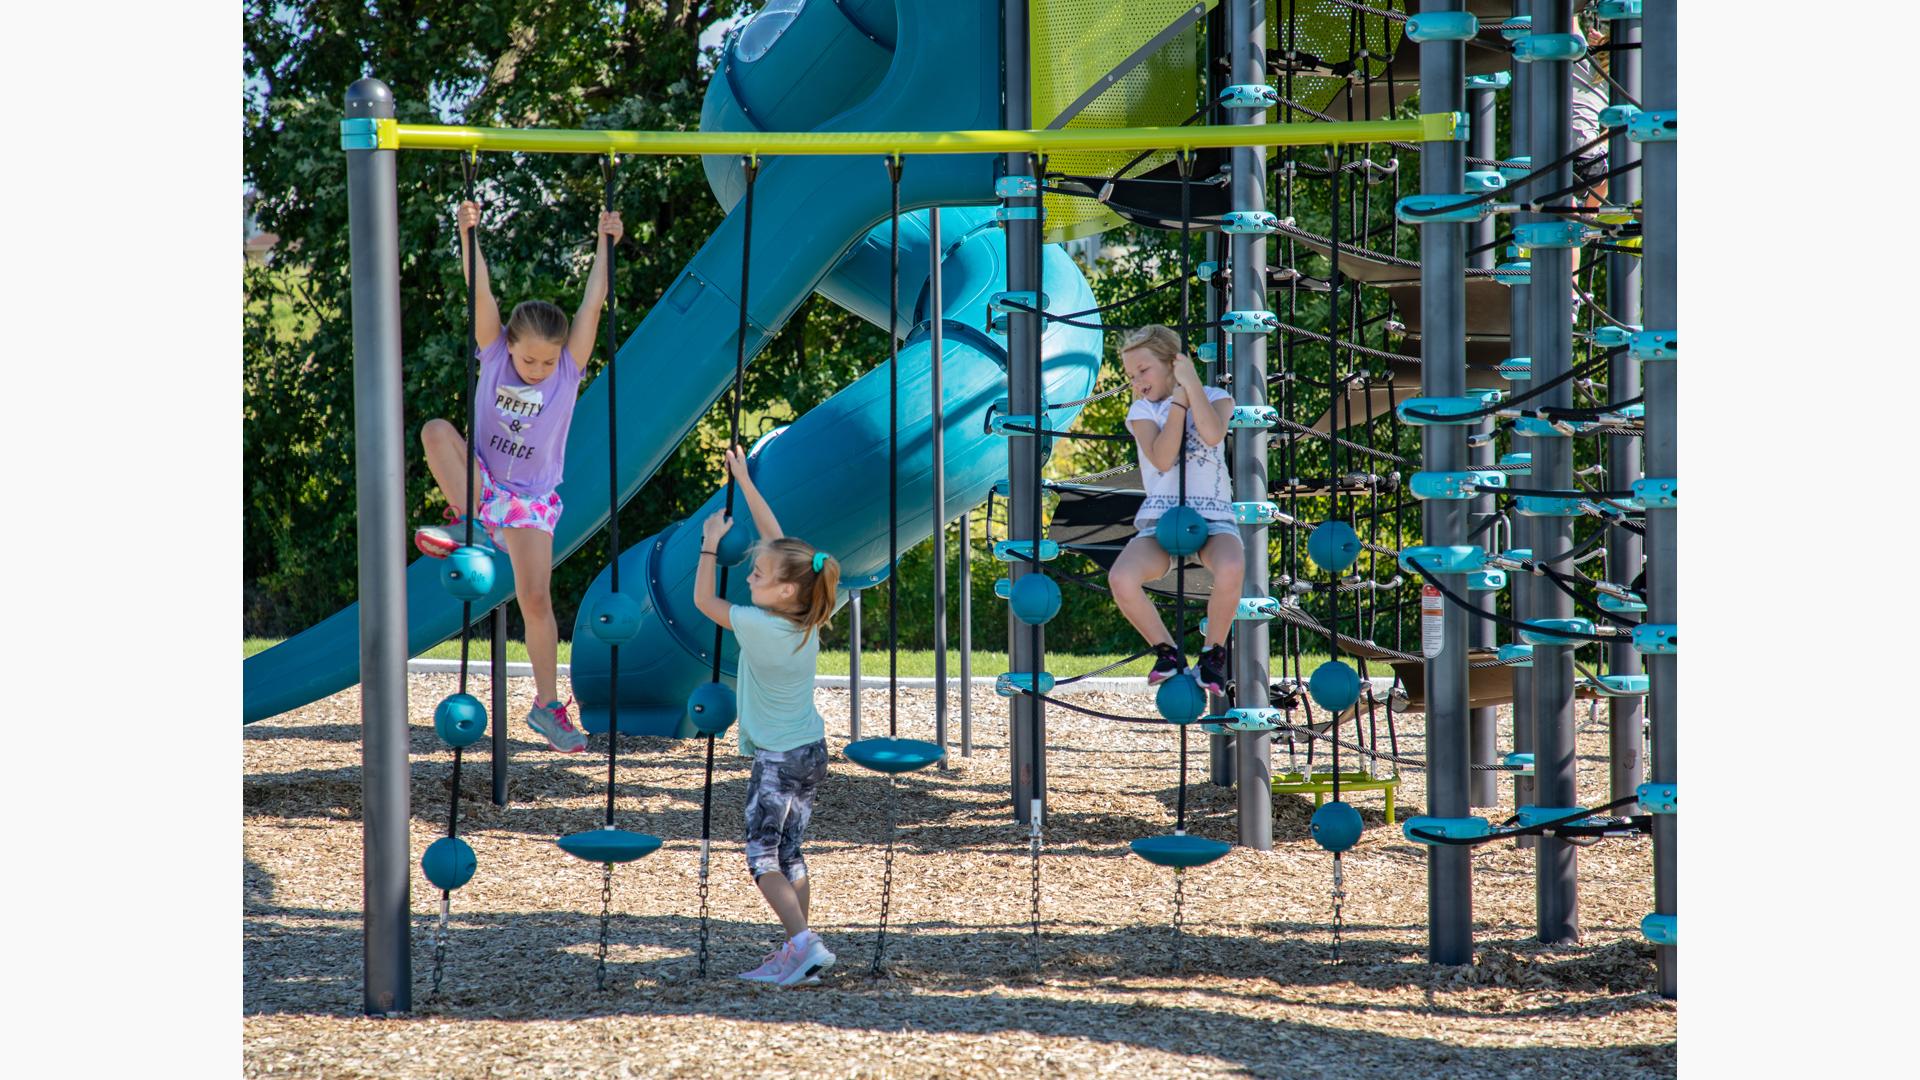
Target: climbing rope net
column 1343, row 408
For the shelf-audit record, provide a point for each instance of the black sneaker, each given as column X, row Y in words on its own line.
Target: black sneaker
column 1213, row 668
column 1168, row 664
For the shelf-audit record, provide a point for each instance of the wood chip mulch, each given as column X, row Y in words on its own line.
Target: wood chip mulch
column 1248, row 990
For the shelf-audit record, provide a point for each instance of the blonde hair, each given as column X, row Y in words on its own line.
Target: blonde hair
column 1159, row 340
column 793, row 562
column 537, row 318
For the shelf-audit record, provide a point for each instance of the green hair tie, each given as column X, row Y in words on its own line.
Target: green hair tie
column 819, row 561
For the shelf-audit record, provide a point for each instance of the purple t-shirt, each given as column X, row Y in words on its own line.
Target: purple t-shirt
column 522, row 434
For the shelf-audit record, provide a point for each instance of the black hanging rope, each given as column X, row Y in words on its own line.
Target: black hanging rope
column 470, row 172
column 751, row 165
column 608, row 332
column 894, row 168
column 1504, row 620
column 1532, row 175
column 1038, row 748
column 1180, row 460
column 1586, row 370
column 893, row 463
column 470, row 393
column 1504, row 832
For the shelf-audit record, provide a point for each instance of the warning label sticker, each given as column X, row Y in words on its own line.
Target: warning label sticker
column 1433, row 615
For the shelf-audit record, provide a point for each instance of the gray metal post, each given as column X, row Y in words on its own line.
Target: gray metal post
column 1663, row 313
column 1526, row 588
column 1219, row 747
column 1483, row 724
column 379, row 427
column 501, row 755
column 1026, row 645
column 966, row 634
column 1253, row 751
column 853, row 665
column 1551, row 336
column 1443, row 373
column 936, row 310
column 1625, row 739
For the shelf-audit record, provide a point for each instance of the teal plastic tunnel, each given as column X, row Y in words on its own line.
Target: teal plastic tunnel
column 819, row 225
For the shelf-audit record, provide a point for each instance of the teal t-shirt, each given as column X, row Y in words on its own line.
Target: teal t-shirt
column 776, row 681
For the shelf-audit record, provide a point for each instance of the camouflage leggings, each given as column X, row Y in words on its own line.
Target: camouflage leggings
column 779, row 805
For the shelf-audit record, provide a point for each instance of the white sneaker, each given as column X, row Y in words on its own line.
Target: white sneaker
column 772, row 966
column 809, row 957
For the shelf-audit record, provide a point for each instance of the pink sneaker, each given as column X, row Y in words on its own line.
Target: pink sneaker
column 440, row 541
column 772, row 967
column 809, row 957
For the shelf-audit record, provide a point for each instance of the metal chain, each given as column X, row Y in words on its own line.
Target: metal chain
column 440, row 943
column 1179, row 918
column 1101, row 396
column 1035, row 844
column 886, row 881
column 606, row 924
column 1339, row 894
column 703, row 909
column 1091, row 477
column 1593, row 712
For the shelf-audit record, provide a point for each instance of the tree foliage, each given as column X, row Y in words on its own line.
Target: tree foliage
column 594, row 63
column 562, row 64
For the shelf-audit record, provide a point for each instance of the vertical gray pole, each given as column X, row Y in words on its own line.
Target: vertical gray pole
column 380, row 486
column 501, row 758
column 1253, row 750
column 936, row 310
column 1026, row 646
column 853, row 665
column 1483, row 724
column 966, row 634
column 1624, row 738
column 1443, row 373
column 1663, row 460
column 1551, row 332
column 1219, row 747
column 1526, row 588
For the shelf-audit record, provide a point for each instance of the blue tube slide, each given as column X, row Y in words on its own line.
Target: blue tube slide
column 826, row 475
column 819, row 225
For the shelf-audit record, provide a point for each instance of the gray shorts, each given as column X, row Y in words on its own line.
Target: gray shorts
column 779, row 804
column 1589, row 169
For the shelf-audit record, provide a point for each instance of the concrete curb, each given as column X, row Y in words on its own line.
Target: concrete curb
column 982, row 684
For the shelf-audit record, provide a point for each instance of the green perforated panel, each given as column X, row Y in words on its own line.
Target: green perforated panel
column 1075, row 43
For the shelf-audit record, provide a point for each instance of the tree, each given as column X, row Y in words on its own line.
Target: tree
column 501, row 65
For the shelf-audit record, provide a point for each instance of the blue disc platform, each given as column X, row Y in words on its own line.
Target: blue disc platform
column 609, row 845
column 1180, row 850
column 894, row 755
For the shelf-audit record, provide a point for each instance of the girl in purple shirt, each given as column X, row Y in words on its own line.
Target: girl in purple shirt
column 529, row 374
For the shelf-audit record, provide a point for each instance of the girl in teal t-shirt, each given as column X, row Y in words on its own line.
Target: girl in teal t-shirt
column 793, row 595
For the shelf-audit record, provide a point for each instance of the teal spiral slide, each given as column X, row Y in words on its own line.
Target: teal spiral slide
column 820, row 225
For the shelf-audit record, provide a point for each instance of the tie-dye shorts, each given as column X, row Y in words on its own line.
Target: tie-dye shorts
column 503, row 509
column 779, row 805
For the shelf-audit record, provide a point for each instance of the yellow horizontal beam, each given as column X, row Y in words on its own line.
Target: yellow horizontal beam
column 1428, row 127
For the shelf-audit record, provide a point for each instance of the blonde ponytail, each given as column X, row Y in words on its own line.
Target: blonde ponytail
column 794, row 561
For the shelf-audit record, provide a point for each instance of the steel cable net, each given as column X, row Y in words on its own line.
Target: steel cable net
column 1342, row 361
column 1328, row 32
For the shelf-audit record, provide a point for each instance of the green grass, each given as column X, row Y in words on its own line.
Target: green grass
column 873, row 663
column 480, row 649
